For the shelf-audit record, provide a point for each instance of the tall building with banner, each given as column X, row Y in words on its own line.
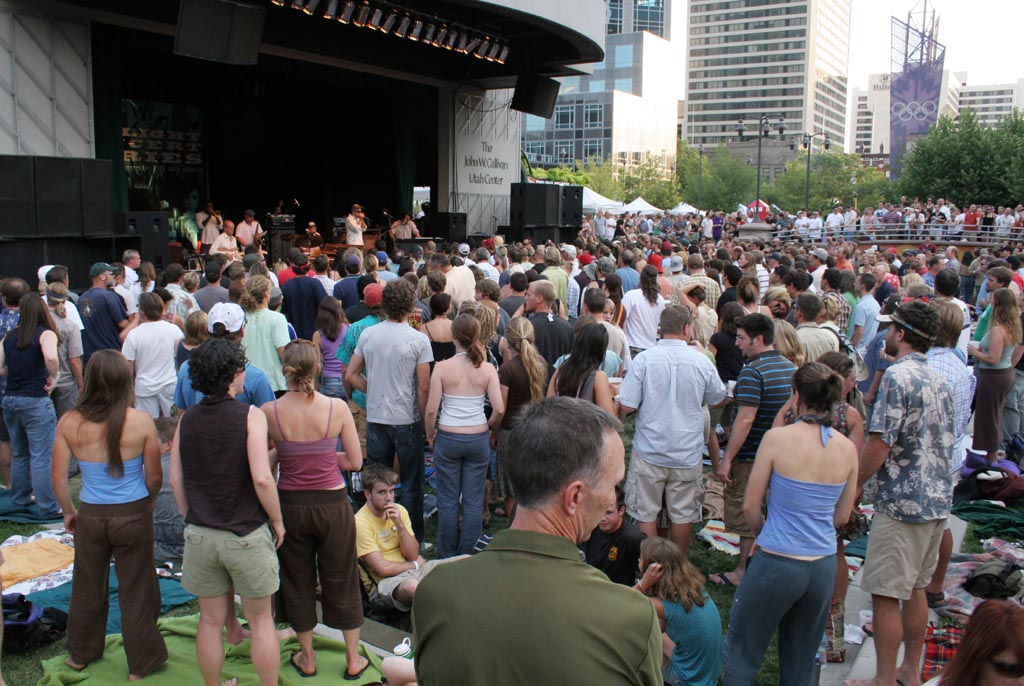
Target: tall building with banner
column 915, row 90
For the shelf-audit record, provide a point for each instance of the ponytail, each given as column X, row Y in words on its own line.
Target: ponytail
column 466, row 332
column 536, row 369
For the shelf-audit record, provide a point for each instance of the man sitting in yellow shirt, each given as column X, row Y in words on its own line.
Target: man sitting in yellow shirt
column 385, row 543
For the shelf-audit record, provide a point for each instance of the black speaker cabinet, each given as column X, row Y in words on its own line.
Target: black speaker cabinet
column 153, row 229
column 542, row 234
column 535, row 204
column 58, row 196
column 97, row 197
column 17, row 197
column 450, row 226
column 571, row 211
column 220, row 31
column 535, row 95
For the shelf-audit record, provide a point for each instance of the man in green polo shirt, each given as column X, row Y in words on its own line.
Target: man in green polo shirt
column 561, row 620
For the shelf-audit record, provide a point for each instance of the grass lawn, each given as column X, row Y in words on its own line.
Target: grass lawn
column 26, row 670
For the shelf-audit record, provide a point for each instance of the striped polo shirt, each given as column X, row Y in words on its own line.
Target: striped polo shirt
column 766, row 383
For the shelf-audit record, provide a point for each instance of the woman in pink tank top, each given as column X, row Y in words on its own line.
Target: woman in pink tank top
column 305, row 426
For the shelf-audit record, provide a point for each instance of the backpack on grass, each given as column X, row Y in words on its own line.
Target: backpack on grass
column 28, row 627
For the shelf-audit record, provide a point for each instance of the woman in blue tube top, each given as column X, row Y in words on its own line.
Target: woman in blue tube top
column 812, row 473
column 119, row 455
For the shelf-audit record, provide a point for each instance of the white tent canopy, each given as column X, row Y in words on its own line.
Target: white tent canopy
column 640, row 205
column 594, row 202
column 684, row 208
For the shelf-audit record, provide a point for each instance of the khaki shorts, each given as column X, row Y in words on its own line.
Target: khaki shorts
column 215, row 560
column 359, row 417
column 901, row 557
column 387, row 587
column 735, row 521
column 648, row 486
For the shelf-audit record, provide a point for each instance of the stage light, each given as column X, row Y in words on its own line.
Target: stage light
column 375, row 19
column 428, row 35
column 279, row 3
column 469, row 47
column 417, row 29
column 332, row 10
column 362, row 15
column 311, row 7
column 403, row 26
column 346, row 12
column 439, row 37
column 389, row 23
column 297, row 4
column 493, row 55
column 453, row 38
column 503, row 55
column 481, row 52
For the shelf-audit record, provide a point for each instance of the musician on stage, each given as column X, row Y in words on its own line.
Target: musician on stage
column 405, row 228
column 355, row 225
column 210, row 223
column 226, row 243
column 310, row 239
column 249, row 231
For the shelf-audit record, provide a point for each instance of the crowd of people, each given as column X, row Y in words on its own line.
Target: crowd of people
column 273, row 426
column 907, row 220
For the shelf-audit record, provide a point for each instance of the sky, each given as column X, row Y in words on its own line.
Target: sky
column 981, row 37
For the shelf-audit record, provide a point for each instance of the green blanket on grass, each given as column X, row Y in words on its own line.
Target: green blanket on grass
column 181, row 667
column 9, row 512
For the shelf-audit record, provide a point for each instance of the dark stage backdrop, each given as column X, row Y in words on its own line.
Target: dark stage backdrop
column 281, row 130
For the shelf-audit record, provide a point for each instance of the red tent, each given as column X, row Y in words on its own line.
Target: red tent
column 758, row 209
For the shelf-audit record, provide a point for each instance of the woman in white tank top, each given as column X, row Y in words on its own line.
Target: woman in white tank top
column 461, row 440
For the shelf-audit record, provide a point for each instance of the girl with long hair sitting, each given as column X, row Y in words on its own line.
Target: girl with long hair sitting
column 118, row 453
column 459, row 386
column 692, row 638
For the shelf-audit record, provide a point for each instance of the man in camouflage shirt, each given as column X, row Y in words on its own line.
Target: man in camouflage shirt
column 906, row 463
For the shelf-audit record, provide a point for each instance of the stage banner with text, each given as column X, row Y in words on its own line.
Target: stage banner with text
column 914, row 97
column 165, row 162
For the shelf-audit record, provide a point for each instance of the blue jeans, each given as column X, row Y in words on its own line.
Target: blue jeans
column 383, row 441
column 332, row 387
column 460, row 461
column 32, row 423
column 793, row 595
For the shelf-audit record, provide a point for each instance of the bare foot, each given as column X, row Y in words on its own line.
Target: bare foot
column 229, row 682
column 859, row 682
column 237, row 633
column 907, row 677
column 726, row 578
column 360, row 662
column 74, row 665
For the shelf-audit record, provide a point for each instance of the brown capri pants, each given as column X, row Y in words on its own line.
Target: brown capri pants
column 124, row 532
column 994, row 386
column 321, row 540
column 735, row 520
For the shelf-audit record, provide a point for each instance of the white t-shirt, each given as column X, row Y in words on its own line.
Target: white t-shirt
column 131, row 301
column 802, row 226
column 72, row 313
column 814, row 228
column 151, row 346
column 641, row 322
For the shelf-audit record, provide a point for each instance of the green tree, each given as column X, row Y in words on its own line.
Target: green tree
column 649, row 183
column 689, row 181
column 835, row 178
column 603, row 179
column 727, row 182
column 964, row 161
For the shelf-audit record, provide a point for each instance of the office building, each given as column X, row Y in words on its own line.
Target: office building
column 626, row 110
column 993, row 102
column 774, row 57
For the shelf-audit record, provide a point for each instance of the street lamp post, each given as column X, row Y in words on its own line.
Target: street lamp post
column 700, row 171
column 806, row 144
column 764, row 129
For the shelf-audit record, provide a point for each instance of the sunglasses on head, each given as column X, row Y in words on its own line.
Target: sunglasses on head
column 1008, row 669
